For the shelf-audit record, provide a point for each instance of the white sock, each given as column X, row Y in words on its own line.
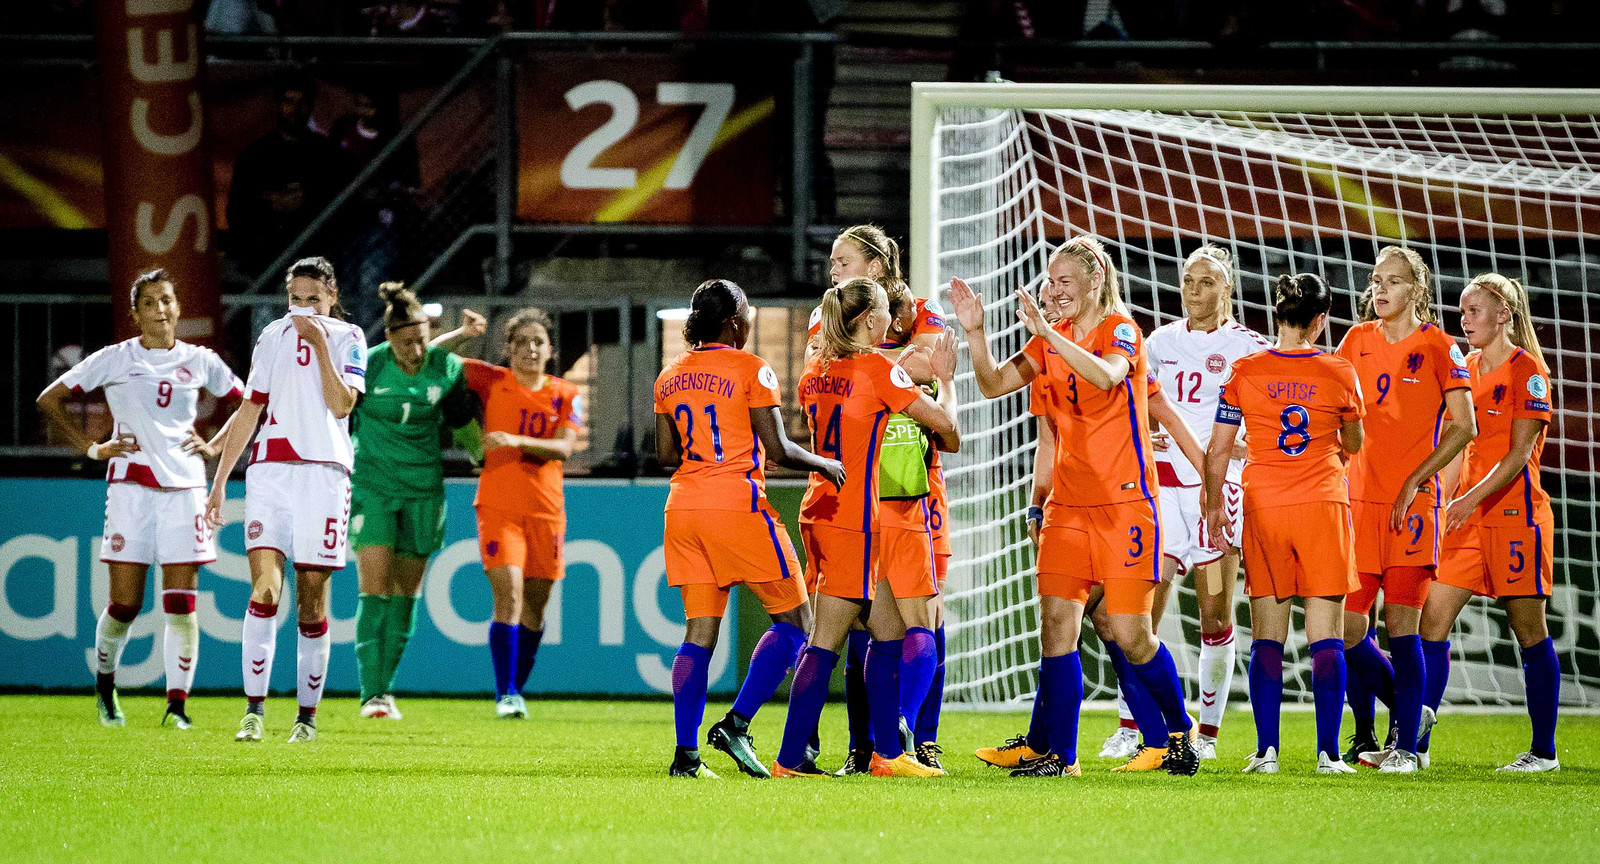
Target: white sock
column 1123, row 711
column 111, row 636
column 312, row 662
column 182, row 642
column 1216, row 679
column 260, row 643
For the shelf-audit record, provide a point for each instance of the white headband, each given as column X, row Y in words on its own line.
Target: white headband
column 1205, row 253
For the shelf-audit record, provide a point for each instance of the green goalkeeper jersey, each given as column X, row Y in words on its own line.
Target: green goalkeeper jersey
column 398, row 424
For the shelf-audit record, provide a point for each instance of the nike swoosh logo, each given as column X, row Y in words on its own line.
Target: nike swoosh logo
column 1024, row 762
column 1365, row 353
column 1510, row 580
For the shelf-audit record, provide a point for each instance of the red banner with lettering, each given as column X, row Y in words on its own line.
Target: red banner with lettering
column 158, row 173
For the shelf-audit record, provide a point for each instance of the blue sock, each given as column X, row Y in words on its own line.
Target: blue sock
column 1363, row 705
column 503, row 651
column 856, row 705
column 1266, row 690
column 1541, row 676
column 1039, row 720
column 928, row 714
column 1436, row 657
column 777, row 650
column 1146, row 713
column 1063, row 685
column 527, row 649
column 883, row 695
column 1410, row 682
column 1365, row 659
column 689, row 670
column 1327, row 689
column 1160, row 679
column 807, row 694
column 919, row 655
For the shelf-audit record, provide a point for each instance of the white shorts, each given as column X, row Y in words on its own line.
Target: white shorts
column 1183, row 524
column 145, row 525
column 301, row 509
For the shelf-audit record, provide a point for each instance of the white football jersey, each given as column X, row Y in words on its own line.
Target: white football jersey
column 285, row 377
column 154, row 395
column 1192, row 364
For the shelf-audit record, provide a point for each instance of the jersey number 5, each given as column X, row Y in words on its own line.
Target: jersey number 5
column 302, row 351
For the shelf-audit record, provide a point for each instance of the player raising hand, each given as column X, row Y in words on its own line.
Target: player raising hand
column 717, row 419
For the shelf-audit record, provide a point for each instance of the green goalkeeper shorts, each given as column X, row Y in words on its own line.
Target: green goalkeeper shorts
column 412, row 527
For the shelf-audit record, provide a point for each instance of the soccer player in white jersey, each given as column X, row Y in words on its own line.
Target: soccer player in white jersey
column 306, row 374
column 1192, row 357
column 156, row 476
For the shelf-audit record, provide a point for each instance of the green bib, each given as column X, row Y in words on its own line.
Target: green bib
column 903, row 468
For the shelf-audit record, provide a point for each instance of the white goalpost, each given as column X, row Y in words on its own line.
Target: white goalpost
column 1293, row 179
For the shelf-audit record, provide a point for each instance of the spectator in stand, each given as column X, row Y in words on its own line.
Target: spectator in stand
column 282, row 180
column 244, row 17
column 414, row 18
column 380, row 216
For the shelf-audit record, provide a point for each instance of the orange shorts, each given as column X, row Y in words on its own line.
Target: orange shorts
column 1083, row 546
column 706, row 600
column 727, row 547
column 532, row 543
column 938, row 511
column 906, row 561
column 1379, row 547
column 1402, row 586
column 840, row 562
column 1499, row 560
column 1300, row 550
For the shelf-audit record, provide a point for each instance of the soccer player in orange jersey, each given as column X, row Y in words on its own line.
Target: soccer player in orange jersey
column 848, row 391
column 1411, row 373
column 530, row 425
column 716, row 419
column 1301, row 410
column 1500, row 527
column 1102, row 524
column 916, row 322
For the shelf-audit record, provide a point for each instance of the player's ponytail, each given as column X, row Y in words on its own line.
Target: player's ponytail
column 876, row 245
column 1091, row 255
column 1223, row 258
column 154, row 277
column 401, row 306
column 320, row 269
column 1421, row 296
column 842, row 306
column 1299, row 298
column 1514, row 297
column 714, row 302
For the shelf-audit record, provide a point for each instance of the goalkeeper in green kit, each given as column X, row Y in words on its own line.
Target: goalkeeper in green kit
column 415, row 392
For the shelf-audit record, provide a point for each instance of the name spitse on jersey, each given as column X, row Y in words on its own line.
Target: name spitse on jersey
column 1191, row 365
column 1519, row 390
column 847, row 403
column 708, row 392
column 1404, row 385
column 154, row 395
column 1102, row 436
column 286, row 378
column 1292, row 405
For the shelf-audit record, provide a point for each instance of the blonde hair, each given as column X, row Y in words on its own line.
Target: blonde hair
column 1223, row 258
column 873, row 242
column 842, row 304
column 1090, row 254
column 1421, row 282
column 401, row 307
column 1513, row 296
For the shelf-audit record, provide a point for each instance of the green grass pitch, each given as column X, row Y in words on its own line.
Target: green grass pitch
column 586, row 781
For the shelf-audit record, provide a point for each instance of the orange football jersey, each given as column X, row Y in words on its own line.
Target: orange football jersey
column 930, row 319
column 1102, row 436
column 708, row 393
column 1292, row 405
column 1403, row 385
column 847, row 402
column 512, row 480
column 1518, row 390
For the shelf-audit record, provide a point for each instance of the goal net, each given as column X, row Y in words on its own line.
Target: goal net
column 1292, row 180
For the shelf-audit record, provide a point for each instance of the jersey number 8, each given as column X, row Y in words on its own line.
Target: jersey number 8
column 1295, row 421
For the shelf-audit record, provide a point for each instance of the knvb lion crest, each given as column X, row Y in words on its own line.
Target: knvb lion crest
column 1414, row 362
column 1499, row 393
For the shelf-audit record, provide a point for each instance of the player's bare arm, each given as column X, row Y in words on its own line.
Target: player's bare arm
column 341, row 397
column 1103, row 372
column 1524, row 432
column 472, row 326
column 1215, row 471
column 1458, row 433
column 1351, row 435
column 1178, row 430
column 237, row 431
column 768, row 426
column 669, row 447
column 52, row 404
column 993, row 381
column 941, row 356
column 550, row 449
